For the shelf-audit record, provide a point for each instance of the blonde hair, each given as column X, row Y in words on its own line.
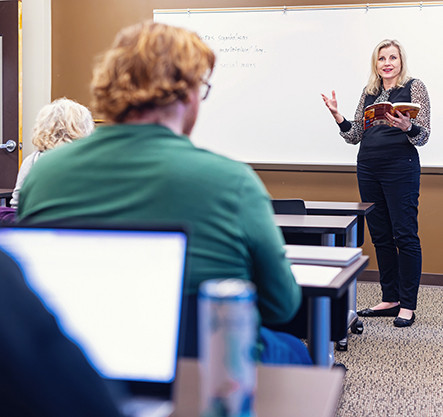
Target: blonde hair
column 375, row 82
column 149, row 65
column 59, row 122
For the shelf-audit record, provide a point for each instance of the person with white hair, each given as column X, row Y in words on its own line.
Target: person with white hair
column 57, row 123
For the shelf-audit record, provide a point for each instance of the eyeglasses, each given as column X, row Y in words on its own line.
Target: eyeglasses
column 205, row 87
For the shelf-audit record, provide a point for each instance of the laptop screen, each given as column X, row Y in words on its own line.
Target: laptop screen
column 116, row 293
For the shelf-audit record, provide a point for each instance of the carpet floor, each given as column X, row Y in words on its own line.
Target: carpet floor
column 395, row 372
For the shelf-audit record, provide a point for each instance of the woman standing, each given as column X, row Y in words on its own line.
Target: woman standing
column 388, row 172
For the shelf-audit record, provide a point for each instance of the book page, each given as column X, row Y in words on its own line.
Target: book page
column 404, row 108
column 314, row 275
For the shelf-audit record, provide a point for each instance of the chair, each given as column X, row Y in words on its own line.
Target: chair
column 289, row 206
column 295, row 206
column 7, row 215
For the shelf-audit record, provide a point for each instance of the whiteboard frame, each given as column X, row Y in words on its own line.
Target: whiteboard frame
column 366, row 6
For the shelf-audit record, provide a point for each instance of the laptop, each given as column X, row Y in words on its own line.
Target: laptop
column 116, row 293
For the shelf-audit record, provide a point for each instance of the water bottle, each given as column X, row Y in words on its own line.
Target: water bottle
column 228, row 321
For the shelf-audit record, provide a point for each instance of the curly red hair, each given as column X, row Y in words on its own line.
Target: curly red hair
column 149, row 65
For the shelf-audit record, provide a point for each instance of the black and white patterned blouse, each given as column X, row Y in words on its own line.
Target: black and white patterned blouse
column 419, row 94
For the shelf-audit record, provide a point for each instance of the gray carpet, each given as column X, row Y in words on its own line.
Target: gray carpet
column 395, row 372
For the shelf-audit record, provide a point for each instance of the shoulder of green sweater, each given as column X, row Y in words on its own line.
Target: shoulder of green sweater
column 236, row 172
column 132, row 129
column 50, row 153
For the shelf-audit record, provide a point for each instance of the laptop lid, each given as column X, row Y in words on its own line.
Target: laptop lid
column 117, row 293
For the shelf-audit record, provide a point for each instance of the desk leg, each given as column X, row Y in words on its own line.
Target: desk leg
column 351, row 241
column 360, row 230
column 351, row 236
column 328, row 239
column 319, row 330
column 352, row 291
column 352, row 303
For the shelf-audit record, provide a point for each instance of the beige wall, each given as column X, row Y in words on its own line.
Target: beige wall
column 343, row 187
column 83, row 28
column 36, row 23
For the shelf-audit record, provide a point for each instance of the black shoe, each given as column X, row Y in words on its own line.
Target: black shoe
column 386, row 312
column 401, row 322
column 339, row 365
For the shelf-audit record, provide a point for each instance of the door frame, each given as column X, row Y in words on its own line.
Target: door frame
column 12, row 103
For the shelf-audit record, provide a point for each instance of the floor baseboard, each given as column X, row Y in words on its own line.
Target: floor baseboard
column 426, row 278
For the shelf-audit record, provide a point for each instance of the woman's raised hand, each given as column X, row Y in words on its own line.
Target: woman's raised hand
column 331, row 104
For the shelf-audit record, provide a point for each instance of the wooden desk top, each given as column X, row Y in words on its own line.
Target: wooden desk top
column 283, row 391
column 338, row 208
column 300, row 223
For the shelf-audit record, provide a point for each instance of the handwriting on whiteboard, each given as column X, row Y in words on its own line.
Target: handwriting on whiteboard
column 234, row 50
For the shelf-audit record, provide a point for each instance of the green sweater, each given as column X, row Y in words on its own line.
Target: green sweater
column 146, row 173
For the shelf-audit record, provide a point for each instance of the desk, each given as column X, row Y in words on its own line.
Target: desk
column 329, row 226
column 319, row 309
column 294, row 391
column 337, row 208
column 326, row 226
column 5, row 196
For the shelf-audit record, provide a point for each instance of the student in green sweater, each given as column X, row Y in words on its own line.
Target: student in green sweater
column 143, row 167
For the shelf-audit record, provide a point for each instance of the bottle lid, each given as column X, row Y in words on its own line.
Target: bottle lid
column 228, row 289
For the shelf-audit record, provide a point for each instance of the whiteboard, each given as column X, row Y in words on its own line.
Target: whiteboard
column 265, row 105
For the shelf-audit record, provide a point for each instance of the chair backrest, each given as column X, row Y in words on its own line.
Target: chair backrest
column 289, row 206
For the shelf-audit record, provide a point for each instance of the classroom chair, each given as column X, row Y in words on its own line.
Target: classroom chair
column 289, row 206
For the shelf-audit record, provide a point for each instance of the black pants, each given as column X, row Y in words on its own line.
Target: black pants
column 393, row 185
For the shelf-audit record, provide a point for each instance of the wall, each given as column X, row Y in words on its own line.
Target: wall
column 343, row 187
column 36, row 19
column 83, row 28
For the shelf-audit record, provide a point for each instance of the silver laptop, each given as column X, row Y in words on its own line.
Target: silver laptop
column 118, row 294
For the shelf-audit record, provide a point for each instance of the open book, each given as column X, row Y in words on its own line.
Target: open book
column 375, row 113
